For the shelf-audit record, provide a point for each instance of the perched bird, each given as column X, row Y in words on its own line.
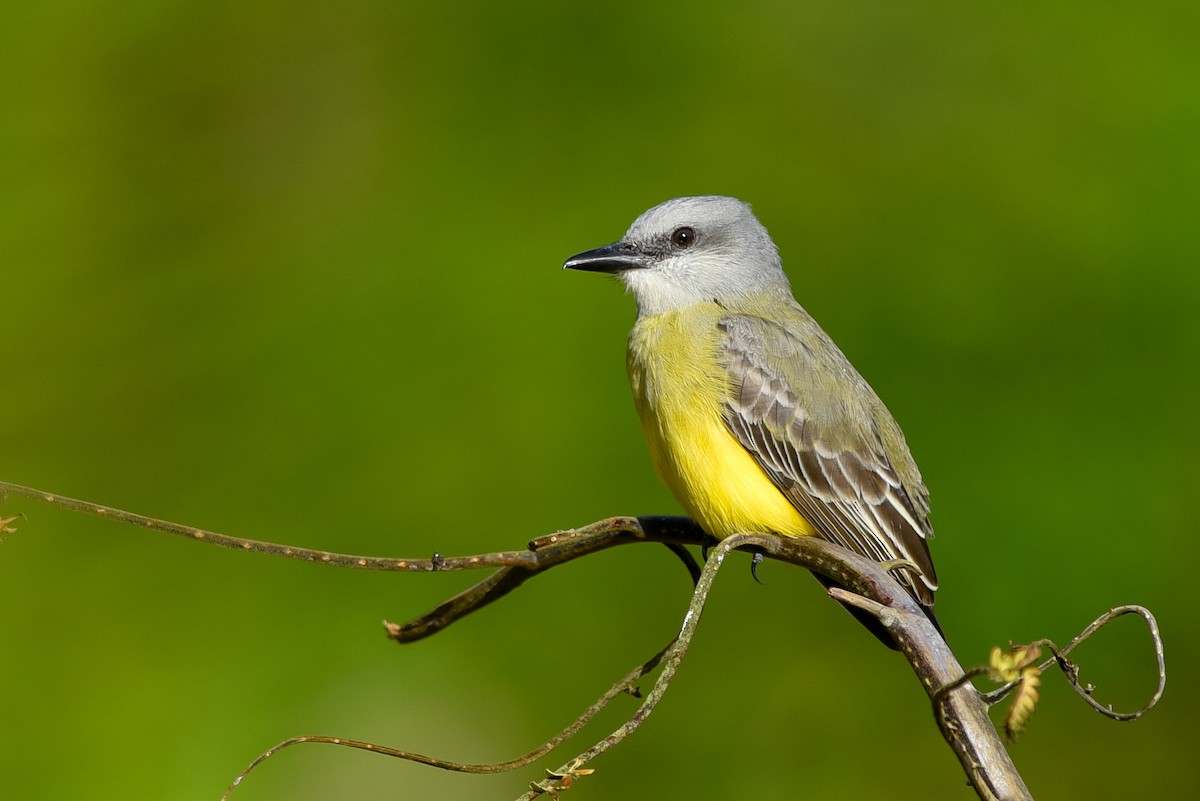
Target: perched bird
column 754, row 418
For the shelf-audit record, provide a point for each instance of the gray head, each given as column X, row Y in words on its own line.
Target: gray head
column 690, row 250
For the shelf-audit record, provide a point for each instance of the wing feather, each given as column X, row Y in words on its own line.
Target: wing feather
column 827, row 441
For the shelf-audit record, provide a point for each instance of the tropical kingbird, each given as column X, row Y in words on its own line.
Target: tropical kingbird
column 755, row 419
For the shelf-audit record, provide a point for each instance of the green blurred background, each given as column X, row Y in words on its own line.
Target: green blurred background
column 291, row 271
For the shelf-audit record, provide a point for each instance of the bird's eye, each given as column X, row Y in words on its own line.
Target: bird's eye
column 683, row 237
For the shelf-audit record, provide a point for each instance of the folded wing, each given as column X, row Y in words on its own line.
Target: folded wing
column 826, row 440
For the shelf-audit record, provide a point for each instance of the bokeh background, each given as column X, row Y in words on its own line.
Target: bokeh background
column 291, row 271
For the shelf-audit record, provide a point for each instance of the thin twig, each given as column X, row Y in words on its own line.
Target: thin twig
column 1070, row 670
column 515, row 567
column 960, row 710
column 435, row 563
column 1109, row 616
column 964, row 720
column 674, row 657
column 543, row 552
column 550, row 551
column 627, row 685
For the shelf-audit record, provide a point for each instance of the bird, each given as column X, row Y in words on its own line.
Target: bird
column 754, row 418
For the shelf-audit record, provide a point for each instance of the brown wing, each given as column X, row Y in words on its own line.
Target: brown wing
column 827, row 441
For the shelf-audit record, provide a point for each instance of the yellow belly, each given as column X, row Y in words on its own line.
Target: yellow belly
column 679, row 389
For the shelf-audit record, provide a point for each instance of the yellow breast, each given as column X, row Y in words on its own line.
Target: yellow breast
column 679, row 389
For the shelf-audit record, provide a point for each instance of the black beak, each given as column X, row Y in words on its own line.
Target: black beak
column 615, row 258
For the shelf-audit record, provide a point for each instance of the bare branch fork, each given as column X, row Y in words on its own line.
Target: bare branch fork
column 959, row 708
